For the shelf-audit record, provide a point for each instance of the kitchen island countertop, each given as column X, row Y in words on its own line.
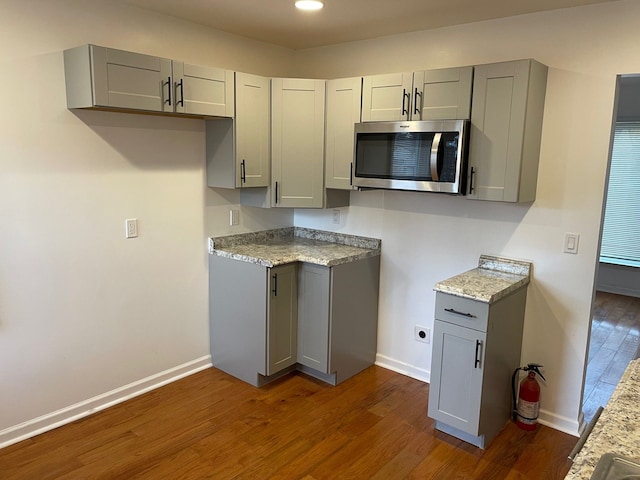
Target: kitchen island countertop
column 270, row 248
column 617, row 430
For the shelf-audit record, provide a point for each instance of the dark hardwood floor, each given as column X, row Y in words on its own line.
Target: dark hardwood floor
column 615, row 341
column 212, row 426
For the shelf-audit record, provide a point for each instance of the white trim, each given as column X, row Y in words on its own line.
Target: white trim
column 619, row 290
column 403, row 368
column 558, row 422
column 69, row 414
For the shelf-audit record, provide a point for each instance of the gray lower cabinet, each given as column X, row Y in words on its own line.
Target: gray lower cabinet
column 282, row 321
column 253, row 318
column 476, row 348
column 266, row 322
column 314, row 316
column 337, row 318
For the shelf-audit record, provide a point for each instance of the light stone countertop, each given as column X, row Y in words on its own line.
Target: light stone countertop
column 495, row 278
column 618, row 428
column 270, row 248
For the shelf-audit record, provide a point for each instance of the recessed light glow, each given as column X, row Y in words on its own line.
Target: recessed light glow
column 309, row 4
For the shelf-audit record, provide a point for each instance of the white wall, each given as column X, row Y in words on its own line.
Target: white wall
column 84, row 311
column 426, row 238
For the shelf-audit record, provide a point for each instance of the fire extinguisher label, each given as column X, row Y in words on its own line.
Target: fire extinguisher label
column 528, row 411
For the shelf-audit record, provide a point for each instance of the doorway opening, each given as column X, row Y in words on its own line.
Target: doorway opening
column 615, row 325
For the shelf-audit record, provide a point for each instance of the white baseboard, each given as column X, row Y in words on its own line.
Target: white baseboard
column 558, row 422
column 549, row 419
column 82, row 409
column 619, row 290
column 403, row 368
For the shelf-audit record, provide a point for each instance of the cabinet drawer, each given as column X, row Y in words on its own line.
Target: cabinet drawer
column 462, row 311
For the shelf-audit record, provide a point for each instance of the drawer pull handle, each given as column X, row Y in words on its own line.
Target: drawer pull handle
column 451, row 310
column 478, row 345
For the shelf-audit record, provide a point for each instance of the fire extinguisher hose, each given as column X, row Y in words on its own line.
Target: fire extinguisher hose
column 513, row 393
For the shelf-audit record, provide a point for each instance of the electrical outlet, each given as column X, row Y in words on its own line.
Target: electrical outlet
column 422, row 334
column 336, row 217
column 131, row 228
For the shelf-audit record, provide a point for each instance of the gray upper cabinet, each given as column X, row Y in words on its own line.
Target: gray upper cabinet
column 238, row 149
column 297, row 142
column 506, row 127
column 443, row 94
column 105, row 77
column 99, row 77
column 198, row 90
column 343, row 112
column 423, row 95
column 386, row 97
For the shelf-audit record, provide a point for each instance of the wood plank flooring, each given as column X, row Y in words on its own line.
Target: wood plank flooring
column 212, row 426
column 615, row 341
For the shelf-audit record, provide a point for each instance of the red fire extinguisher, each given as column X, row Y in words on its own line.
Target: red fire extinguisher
column 526, row 408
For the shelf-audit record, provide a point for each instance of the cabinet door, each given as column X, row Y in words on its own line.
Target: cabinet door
column 130, row 80
column 442, row 94
column 457, row 368
column 237, row 330
column 386, row 97
column 343, row 112
column 297, row 142
column 506, row 124
column 202, row 90
column 252, row 130
column 282, row 321
column 313, row 316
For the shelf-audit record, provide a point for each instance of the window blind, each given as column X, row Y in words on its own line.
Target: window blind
column 621, row 229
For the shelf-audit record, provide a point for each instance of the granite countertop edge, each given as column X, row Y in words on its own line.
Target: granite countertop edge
column 270, row 248
column 617, row 430
column 493, row 279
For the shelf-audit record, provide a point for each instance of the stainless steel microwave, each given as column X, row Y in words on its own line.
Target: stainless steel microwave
column 425, row 155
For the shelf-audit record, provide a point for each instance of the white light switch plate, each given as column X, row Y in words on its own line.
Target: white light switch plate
column 571, row 241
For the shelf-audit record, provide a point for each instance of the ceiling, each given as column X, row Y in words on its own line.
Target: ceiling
column 279, row 23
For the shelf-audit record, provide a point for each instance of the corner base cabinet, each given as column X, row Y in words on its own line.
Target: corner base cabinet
column 476, row 348
column 269, row 321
